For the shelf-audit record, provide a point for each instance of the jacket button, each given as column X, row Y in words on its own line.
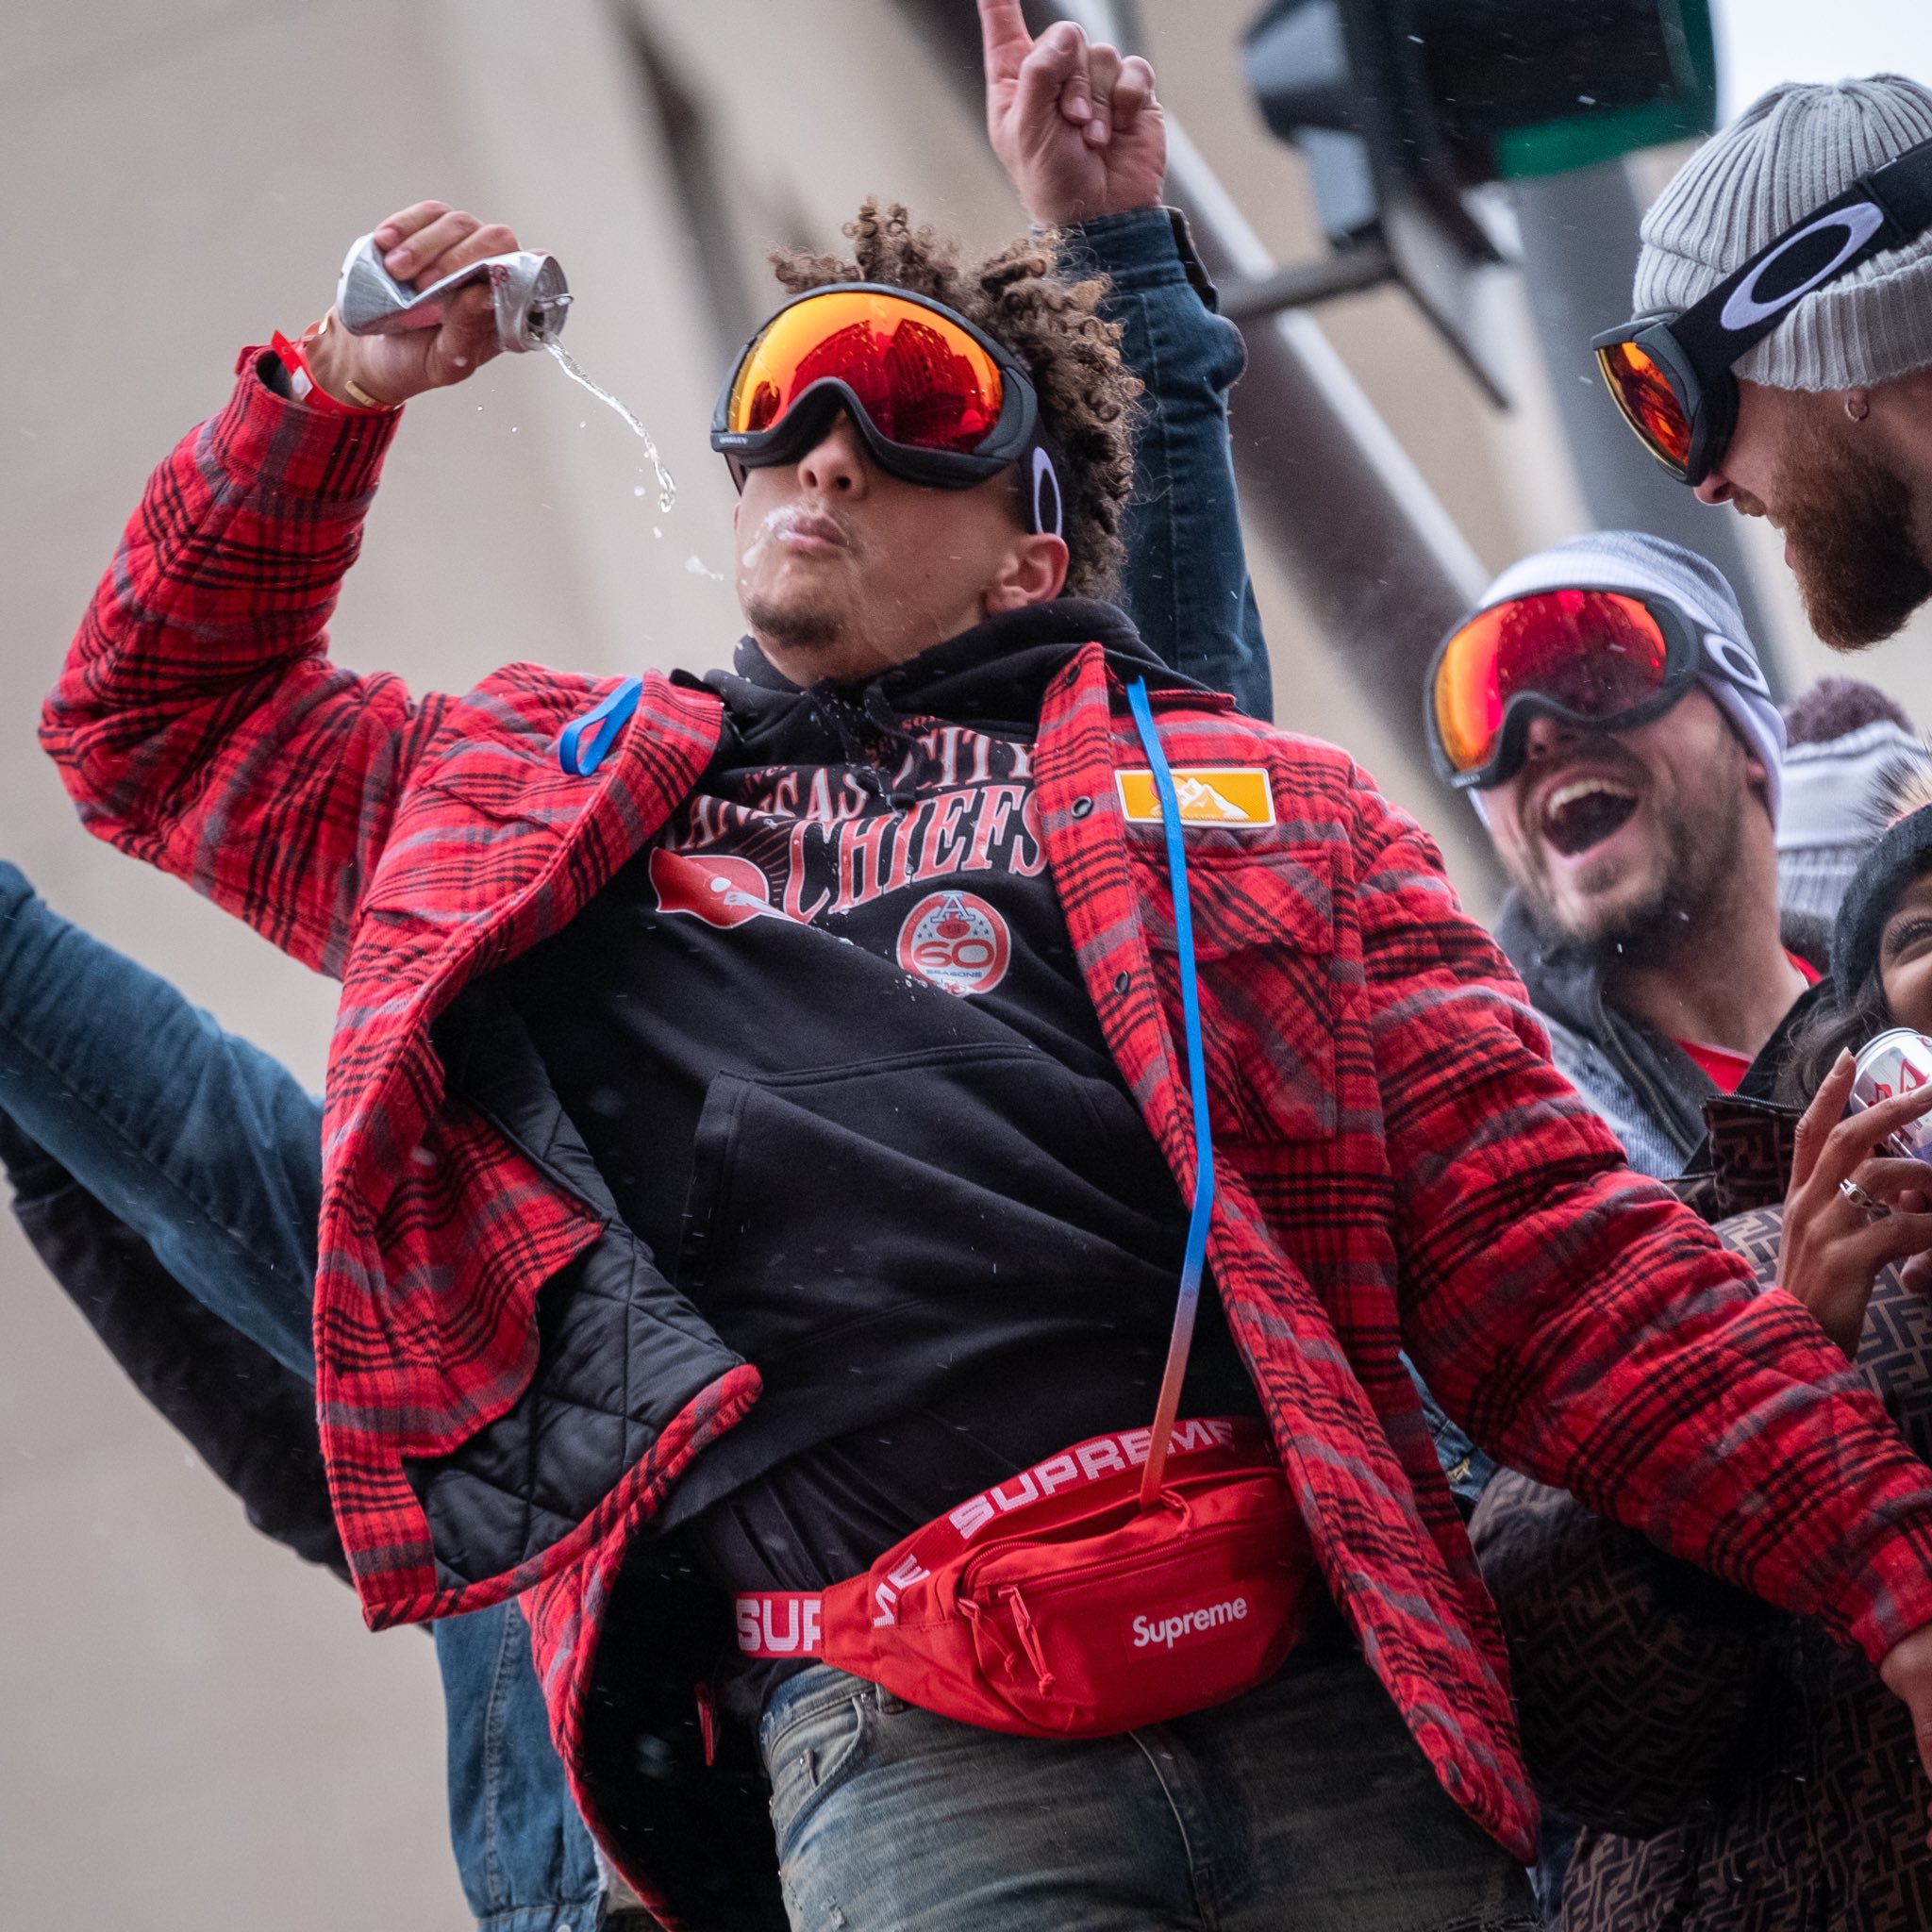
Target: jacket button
column 1122, row 981
column 1082, row 807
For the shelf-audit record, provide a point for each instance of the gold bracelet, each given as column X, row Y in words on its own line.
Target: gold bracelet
column 357, row 394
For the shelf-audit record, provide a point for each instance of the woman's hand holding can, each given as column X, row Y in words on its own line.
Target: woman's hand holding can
column 1851, row 1210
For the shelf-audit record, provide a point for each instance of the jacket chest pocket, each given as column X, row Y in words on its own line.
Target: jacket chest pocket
column 1265, row 954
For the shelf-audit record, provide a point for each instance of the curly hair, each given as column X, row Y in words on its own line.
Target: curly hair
column 1050, row 323
column 1846, row 1017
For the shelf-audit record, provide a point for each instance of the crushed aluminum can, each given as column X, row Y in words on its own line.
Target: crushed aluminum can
column 1897, row 1061
column 529, row 295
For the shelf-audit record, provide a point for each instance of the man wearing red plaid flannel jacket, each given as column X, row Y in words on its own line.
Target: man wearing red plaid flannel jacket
column 518, row 1393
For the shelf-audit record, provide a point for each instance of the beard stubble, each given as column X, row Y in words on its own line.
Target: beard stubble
column 1701, row 846
column 802, row 628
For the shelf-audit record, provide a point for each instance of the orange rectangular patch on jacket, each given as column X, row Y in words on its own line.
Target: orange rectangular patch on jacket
column 1208, row 795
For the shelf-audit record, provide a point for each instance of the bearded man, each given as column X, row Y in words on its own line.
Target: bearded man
column 1604, row 709
column 1781, row 356
column 767, row 1109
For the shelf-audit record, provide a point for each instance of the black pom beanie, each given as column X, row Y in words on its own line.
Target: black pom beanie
column 1888, row 869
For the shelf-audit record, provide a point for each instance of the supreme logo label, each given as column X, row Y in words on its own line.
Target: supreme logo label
column 1207, row 795
column 779, row 1623
column 1088, row 1462
column 1172, row 1627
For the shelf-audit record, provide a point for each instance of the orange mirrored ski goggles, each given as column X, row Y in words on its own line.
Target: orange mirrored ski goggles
column 1601, row 659
column 935, row 400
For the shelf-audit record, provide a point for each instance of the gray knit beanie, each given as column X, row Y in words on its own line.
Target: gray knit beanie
column 1644, row 565
column 1788, row 152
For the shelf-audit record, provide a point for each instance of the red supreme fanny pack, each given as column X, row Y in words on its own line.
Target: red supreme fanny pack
column 1129, row 1579
column 1058, row 1605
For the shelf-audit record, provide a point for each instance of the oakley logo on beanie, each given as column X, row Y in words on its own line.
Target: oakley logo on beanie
column 1737, row 661
column 1747, row 306
column 1795, row 148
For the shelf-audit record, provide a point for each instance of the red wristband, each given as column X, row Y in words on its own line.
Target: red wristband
column 302, row 380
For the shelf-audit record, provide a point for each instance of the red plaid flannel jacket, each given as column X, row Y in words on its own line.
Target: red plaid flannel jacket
column 1401, row 1164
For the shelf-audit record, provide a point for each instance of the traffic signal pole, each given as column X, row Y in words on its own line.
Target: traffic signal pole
column 1369, row 545
column 1579, row 258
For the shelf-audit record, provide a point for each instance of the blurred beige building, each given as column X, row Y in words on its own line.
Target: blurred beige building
column 194, row 1731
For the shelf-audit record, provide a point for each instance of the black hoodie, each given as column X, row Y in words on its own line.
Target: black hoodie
column 827, row 1043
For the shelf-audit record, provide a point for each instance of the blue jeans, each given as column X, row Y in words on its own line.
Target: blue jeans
column 212, row 1153
column 1305, row 1804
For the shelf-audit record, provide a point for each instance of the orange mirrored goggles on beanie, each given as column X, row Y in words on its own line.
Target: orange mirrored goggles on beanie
column 935, row 401
column 1599, row 659
column 1671, row 375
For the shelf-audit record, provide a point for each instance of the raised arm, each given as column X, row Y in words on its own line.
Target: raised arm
column 197, row 721
column 1080, row 133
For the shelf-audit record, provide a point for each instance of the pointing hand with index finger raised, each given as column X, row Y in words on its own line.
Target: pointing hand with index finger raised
column 1077, row 126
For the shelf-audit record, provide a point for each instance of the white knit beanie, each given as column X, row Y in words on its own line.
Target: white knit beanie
column 1838, row 800
column 1791, row 150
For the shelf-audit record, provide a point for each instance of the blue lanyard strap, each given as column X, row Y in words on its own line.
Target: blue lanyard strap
column 580, row 749
column 1195, row 1252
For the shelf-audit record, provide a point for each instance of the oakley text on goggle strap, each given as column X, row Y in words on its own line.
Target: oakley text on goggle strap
column 1671, row 375
column 935, row 400
column 1600, row 659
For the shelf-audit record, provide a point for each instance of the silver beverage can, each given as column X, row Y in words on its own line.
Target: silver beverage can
column 1897, row 1061
column 527, row 291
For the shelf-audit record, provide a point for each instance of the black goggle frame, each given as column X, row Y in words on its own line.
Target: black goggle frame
column 1691, row 651
column 1014, row 438
column 1696, row 348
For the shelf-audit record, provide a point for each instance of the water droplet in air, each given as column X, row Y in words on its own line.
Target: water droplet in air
column 695, row 565
column 637, row 489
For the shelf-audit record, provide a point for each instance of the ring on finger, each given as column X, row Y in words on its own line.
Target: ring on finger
column 1867, row 1204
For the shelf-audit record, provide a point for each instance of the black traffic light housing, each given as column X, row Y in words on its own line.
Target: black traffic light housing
column 1402, row 107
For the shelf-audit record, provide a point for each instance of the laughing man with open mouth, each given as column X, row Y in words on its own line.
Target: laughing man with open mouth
column 1605, row 710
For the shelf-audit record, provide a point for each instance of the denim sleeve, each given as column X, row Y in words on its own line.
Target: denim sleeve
column 1468, row 1468
column 1185, row 578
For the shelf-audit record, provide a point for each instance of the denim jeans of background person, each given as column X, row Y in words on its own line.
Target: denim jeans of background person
column 209, row 1149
